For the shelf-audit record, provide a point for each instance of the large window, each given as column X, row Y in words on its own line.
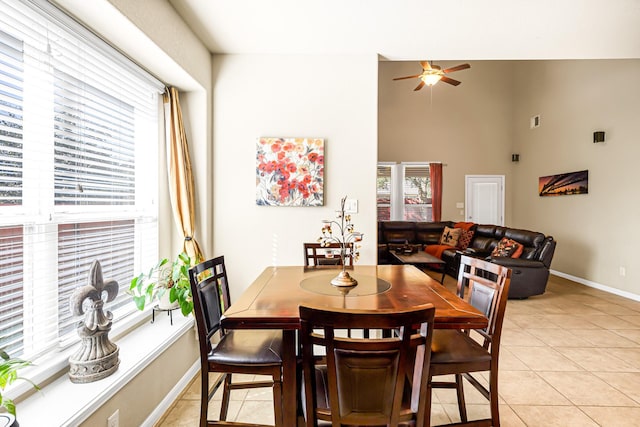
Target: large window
column 403, row 192
column 78, row 173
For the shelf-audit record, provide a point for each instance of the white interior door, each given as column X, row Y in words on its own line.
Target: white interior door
column 484, row 199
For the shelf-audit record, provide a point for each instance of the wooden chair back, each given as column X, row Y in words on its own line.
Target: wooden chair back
column 361, row 381
column 488, row 288
column 316, row 255
column 210, row 293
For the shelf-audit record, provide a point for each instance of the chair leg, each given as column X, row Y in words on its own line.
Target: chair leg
column 462, row 408
column 493, row 397
column 277, row 401
column 226, row 391
column 204, row 397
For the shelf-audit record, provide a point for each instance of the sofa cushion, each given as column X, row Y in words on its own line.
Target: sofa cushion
column 465, row 239
column 429, row 233
column 450, row 236
column 507, row 248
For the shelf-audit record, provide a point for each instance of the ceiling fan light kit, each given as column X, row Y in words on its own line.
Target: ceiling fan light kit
column 432, row 74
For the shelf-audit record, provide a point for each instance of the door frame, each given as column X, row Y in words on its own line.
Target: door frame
column 468, row 179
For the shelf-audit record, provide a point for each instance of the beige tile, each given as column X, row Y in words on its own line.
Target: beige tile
column 553, row 416
column 603, row 338
column 474, row 411
column 262, row 393
column 508, row 418
column 185, row 413
column 258, row 412
column 544, row 359
column 596, row 359
column 232, row 411
column 631, row 334
column 584, row 388
column 439, row 415
column 519, row 338
column 613, row 416
column 627, row 383
column 629, row 355
column 612, row 309
column 509, row 362
column 558, row 337
column 568, row 321
column 526, row 321
column 635, row 319
column 527, row 388
column 611, row 322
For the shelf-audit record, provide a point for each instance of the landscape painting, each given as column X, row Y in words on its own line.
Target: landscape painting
column 564, row 184
column 290, row 171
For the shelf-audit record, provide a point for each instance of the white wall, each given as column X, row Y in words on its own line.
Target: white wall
column 331, row 97
column 596, row 232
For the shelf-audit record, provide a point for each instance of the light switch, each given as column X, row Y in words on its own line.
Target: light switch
column 460, row 205
column 351, row 206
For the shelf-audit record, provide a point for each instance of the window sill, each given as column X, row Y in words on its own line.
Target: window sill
column 62, row 402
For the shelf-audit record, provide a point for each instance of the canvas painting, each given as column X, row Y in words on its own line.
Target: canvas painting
column 289, row 172
column 564, row 184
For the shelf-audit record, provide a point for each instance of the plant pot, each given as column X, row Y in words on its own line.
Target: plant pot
column 165, row 304
column 8, row 420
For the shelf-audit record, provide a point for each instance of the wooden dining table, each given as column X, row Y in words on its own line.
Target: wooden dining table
column 272, row 302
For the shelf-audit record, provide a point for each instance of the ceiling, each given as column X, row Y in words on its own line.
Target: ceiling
column 419, row 29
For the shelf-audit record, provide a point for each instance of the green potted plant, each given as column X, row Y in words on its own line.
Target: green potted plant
column 163, row 278
column 9, row 367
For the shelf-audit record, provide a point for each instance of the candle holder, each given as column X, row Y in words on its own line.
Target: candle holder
column 344, row 236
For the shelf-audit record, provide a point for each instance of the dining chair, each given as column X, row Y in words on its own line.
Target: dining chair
column 366, row 381
column 253, row 352
column 461, row 353
column 318, row 256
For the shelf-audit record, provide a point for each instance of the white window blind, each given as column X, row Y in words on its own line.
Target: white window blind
column 404, row 192
column 78, row 172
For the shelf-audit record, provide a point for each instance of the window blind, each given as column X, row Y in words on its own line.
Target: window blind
column 78, row 172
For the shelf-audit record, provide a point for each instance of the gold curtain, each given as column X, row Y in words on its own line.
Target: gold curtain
column 181, row 184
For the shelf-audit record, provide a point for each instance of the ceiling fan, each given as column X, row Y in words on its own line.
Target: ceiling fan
column 432, row 74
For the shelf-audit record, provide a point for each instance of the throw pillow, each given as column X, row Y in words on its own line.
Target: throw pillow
column 507, row 248
column 450, row 236
column 465, row 239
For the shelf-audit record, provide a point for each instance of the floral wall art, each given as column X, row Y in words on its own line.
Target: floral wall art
column 289, row 172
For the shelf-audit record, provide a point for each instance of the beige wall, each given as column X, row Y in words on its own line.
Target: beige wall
column 142, row 393
column 596, row 232
column 475, row 127
column 467, row 127
column 331, row 97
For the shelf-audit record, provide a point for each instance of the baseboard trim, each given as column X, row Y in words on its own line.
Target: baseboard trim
column 172, row 396
column 596, row 285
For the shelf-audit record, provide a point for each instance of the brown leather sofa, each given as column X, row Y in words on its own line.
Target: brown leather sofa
column 529, row 272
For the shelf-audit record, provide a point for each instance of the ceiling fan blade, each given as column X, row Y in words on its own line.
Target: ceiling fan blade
column 457, row 68
column 408, row 77
column 449, row 80
column 419, row 86
column 425, row 65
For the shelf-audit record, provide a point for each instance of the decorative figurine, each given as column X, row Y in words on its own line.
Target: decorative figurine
column 97, row 357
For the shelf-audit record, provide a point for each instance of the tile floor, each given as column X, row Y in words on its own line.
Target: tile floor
column 570, row 357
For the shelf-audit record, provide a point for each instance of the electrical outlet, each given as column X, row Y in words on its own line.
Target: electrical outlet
column 623, row 271
column 114, row 419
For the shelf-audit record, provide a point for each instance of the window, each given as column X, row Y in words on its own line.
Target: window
column 403, row 192
column 78, row 173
